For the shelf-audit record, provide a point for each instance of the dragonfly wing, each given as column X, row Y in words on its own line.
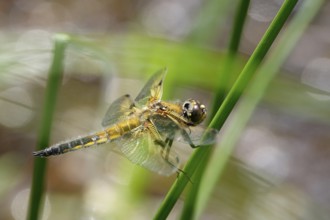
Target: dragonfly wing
column 197, row 136
column 118, row 110
column 141, row 149
column 153, row 88
column 165, row 126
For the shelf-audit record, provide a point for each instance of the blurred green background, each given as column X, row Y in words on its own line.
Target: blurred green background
column 115, row 46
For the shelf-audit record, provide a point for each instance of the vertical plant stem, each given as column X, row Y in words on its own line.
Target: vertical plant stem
column 240, row 17
column 258, row 87
column 239, row 22
column 226, row 71
column 227, row 106
column 53, row 82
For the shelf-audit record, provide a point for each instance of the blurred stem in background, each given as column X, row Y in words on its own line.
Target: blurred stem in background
column 53, row 82
column 225, row 73
column 227, row 106
column 223, row 81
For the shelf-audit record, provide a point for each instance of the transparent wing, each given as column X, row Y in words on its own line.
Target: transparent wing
column 141, row 149
column 118, row 110
column 153, row 88
column 197, row 136
column 194, row 136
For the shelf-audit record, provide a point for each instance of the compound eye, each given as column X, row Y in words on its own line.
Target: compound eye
column 187, row 106
column 194, row 112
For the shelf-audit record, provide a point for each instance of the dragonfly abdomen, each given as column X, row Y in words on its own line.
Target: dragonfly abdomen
column 113, row 132
column 121, row 128
column 76, row 144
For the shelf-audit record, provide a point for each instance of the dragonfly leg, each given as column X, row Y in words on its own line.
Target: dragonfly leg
column 179, row 171
column 169, row 142
column 155, row 134
column 187, row 138
column 184, row 133
column 167, row 148
column 165, row 145
column 165, row 152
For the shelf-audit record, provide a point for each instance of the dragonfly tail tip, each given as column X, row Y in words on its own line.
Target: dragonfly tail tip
column 38, row 153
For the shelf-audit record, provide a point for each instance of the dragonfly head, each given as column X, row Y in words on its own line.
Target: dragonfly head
column 194, row 112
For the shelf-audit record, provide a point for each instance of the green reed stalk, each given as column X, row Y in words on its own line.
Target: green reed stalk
column 224, row 76
column 223, row 112
column 255, row 93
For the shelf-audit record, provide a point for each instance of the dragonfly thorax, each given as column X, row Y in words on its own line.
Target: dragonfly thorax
column 194, row 112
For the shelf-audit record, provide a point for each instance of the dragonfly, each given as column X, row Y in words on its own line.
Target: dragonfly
column 143, row 129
